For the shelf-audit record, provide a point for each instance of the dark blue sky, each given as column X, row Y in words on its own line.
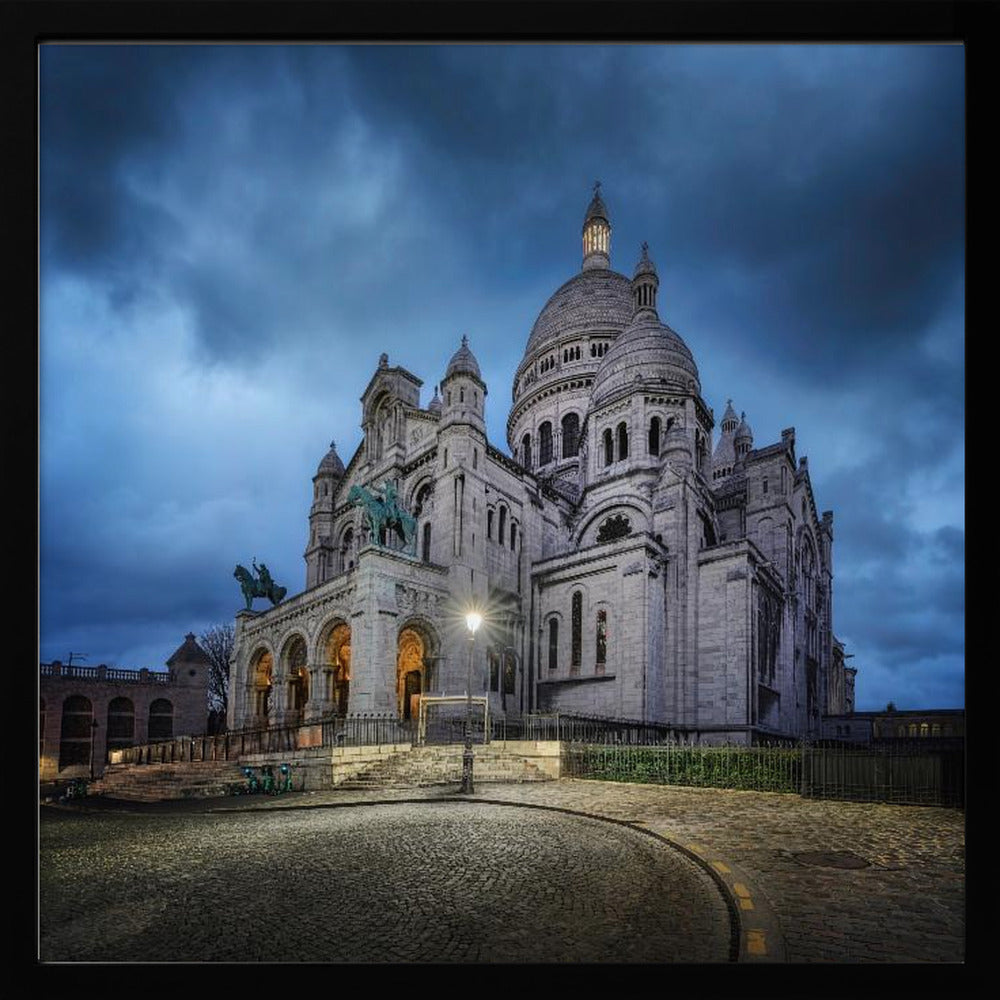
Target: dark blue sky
column 231, row 235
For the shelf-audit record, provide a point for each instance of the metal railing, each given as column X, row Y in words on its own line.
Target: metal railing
column 334, row 731
column 905, row 775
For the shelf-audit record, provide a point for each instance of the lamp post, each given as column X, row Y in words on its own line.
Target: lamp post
column 473, row 620
column 93, row 741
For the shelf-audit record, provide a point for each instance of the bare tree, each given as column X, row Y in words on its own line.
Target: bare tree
column 217, row 642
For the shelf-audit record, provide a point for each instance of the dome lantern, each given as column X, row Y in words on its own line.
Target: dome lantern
column 596, row 233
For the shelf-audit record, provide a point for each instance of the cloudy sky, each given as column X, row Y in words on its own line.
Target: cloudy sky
column 231, row 235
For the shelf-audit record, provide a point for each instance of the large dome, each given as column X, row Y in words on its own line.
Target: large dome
column 591, row 301
column 648, row 353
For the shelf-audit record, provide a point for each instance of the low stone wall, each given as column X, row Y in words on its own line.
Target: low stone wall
column 317, row 769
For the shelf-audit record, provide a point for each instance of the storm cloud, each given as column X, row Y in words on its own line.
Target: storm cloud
column 231, row 235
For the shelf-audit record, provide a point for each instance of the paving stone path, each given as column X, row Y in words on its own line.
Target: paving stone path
column 558, row 875
column 407, row 882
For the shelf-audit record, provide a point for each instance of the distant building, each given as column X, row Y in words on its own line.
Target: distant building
column 625, row 567
column 920, row 724
column 86, row 711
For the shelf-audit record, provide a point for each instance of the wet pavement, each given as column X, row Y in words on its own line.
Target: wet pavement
column 423, row 875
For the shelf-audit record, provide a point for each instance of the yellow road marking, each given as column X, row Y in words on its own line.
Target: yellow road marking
column 746, row 903
column 755, row 943
column 720, row 867
column 696, row 847
column 741, row 890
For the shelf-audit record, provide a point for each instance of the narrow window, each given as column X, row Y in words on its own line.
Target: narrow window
column 545, row 443
column 765, row 484
column 489, row 524
column 503, row 525
column 577, row 626
column 446, row 458
column 526, row 451
column 426, row 550
column 553, row 643
column 609, row 447
column 602, row 638
column 513, row 534
column 461, row 395
column 654, row 436
column 475, row 458
column 622, row 441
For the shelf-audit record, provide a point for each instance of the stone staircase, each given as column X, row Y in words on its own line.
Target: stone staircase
column 442, row 765
column 158, row 782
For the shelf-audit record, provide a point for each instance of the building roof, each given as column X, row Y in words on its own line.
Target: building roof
column 331, row 465
column 189, row 652
column 463, row 362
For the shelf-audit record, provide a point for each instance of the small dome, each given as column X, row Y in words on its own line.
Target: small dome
column 743, row 431
column 463, row 362
column 647, row 354
column 331, row 465
column 435, row 404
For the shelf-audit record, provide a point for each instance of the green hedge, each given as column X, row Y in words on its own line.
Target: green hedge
column 762, row 769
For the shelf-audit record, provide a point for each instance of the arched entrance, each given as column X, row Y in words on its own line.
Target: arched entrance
column 338, row 656
column 297, row 675
column 262, row 670
column 411, row 671
column 77, row 732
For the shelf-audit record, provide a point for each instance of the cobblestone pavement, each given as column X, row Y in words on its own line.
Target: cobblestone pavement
column 905, row 905
column 407, row 882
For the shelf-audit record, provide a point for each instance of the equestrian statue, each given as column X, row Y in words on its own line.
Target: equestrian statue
column 260, row 586
column 384, row 513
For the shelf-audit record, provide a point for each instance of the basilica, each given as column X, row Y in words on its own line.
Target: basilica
column 631, row 559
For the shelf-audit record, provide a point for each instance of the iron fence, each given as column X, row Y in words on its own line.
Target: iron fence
column 919, row 772
column 357, row 730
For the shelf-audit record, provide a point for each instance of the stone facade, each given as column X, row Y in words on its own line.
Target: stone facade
column 85, row 712
column 624, row 568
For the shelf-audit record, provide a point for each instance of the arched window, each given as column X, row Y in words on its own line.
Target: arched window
column 121, row 723
column 526, row 451
column 545, row 443
column 609, row 447
column 622, row 441
column 161, row 720
column 501, row 532
column 553, row 643
column 425, row 552
column 347, row 550
column 654, row 436
column 489, row 524
column 570, row 435
column 513, row 534
column 602, row 639
column 576, row 620
column 77, row 731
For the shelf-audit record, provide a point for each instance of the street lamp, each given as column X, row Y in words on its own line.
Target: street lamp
column 473, row 620
column 93, row 741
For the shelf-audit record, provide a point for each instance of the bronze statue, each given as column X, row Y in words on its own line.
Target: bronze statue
column 383, row 514
column 261, row 586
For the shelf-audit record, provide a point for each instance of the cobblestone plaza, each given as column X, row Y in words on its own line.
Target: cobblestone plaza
column 521, row 873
